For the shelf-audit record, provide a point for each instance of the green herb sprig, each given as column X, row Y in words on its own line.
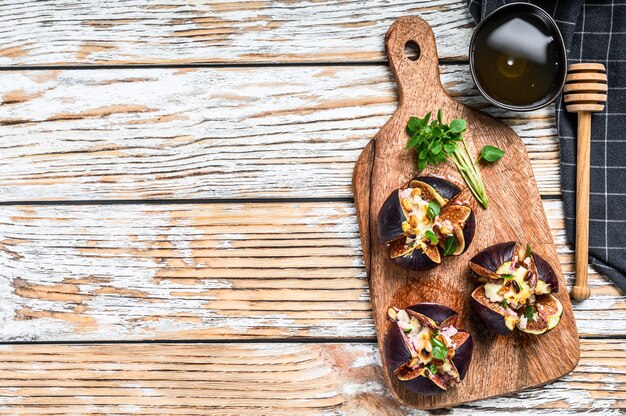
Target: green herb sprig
column 434, row 142
column 440, row 351
column 433, row 210
column 432, row 237
column 490, row 154
column 449, row 245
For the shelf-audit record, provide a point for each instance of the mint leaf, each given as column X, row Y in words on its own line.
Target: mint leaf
column 436, row 342
column 440, row 351
column 449, row 245
column 412, row 125
column 413, row 141
column 505, row 304
column 529, row 252
column 433, row 210
column 436, row 149
column 433, row 369
column 529, row 313
column 449, row 148
column 431, row 236
column 491, row 154
column 458, row 125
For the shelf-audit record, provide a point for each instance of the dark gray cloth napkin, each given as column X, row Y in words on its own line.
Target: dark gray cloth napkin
column 594, row 31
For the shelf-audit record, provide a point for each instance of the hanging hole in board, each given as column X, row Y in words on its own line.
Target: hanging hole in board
column 412, row 50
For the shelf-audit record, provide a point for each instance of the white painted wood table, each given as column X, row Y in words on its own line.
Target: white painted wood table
column 177, row 233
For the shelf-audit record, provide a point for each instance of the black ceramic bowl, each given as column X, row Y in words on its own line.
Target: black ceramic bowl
column 517, row 57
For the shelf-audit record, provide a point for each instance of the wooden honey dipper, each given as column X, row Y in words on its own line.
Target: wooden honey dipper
column 584, row 92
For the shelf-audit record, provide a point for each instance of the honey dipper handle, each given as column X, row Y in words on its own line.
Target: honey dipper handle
column 581, row 291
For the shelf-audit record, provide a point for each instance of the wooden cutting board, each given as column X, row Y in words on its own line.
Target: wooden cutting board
column 500, row 365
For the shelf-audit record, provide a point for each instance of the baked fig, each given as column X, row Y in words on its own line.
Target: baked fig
column 516, row 289
column 424, row 350
column 423, row 221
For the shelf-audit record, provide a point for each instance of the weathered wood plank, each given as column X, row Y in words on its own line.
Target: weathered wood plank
column 206, row 31
column 276, row 379
column 206, row 271
column 211, row 133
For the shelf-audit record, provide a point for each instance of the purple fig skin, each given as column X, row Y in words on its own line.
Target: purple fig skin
column 417, row 260
column 492, row 319
column 445, row 188
column 463, row 356
column 434, row 311
column 546, row 273
column 422, row 385
column 390, row 218
column 494, row 256
column 397, row 353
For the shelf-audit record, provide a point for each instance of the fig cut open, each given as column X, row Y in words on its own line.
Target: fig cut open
column 424, row 350
column 423, row 221
column 516, row 289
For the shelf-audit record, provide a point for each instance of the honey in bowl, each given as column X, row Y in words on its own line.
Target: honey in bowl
column 518, row 57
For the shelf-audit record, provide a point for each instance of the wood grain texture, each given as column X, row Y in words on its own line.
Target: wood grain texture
column 230, row 271
column 515, row 213
column 212, row 133
column 273, row 379
column 208, row 271
column 205, row 31
column 581, row 291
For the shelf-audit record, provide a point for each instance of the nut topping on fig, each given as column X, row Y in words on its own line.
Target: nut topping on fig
column 416, row 220
column 424, row 350
column 517, row 289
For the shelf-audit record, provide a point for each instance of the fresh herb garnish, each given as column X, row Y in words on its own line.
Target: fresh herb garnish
column 440, row 352
column 432, row 368
column 505, row 304
column 490, row 154
column 433, row 210
column 436, row 342
column 407, row 330
column 449, row 245
column 506, row 276
column 435, row 142
column 529, row 313
column 528, row 251
column 431, row 236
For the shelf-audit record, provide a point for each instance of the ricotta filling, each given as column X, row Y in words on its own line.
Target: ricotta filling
column 515, row 294
column 418, row 222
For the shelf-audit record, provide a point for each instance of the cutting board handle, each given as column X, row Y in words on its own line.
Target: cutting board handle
column 410, row 74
